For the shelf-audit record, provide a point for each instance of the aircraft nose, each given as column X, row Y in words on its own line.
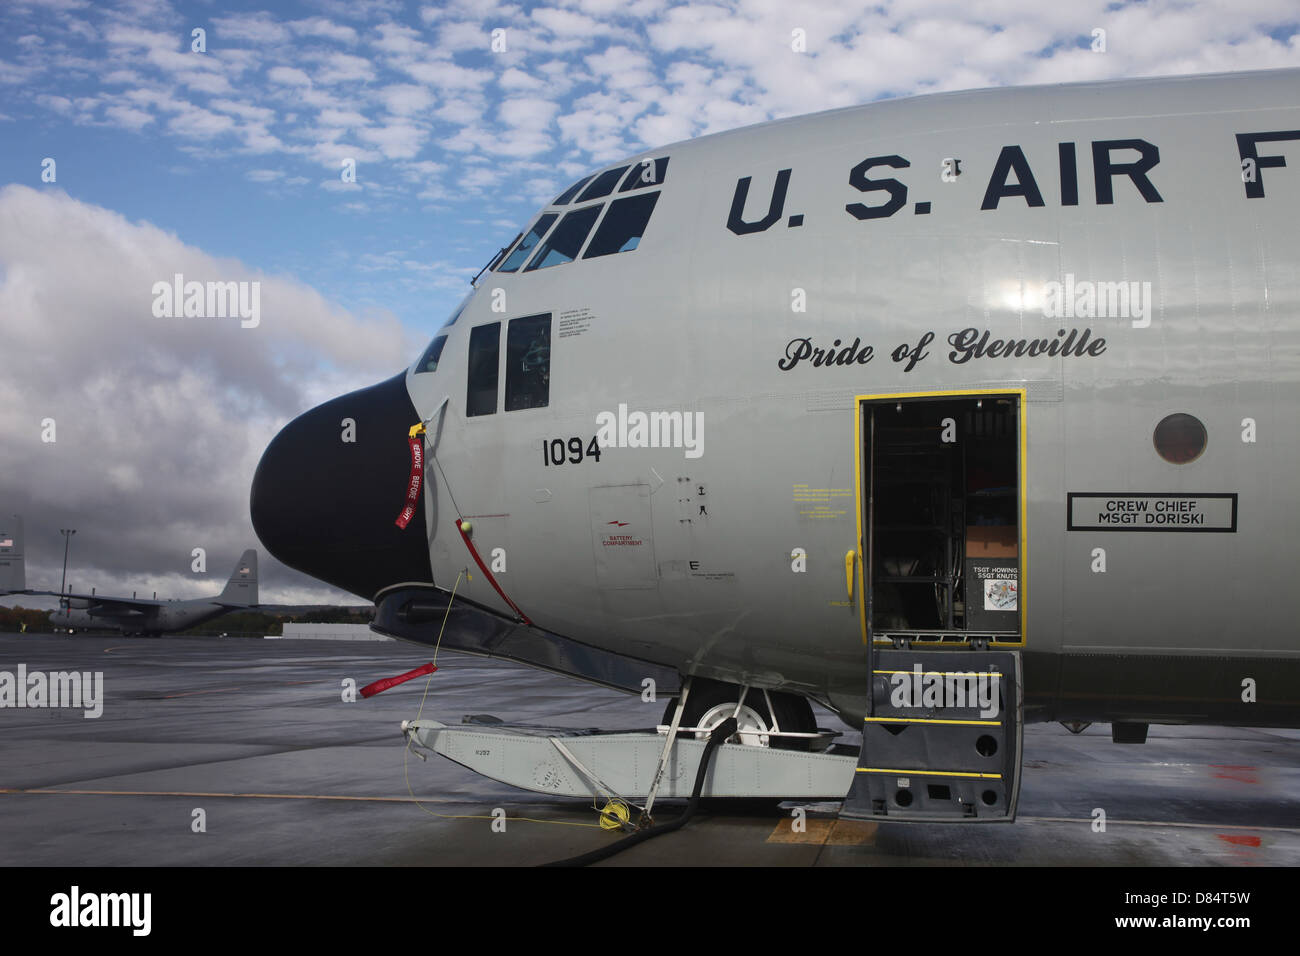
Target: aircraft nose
column 330, row 486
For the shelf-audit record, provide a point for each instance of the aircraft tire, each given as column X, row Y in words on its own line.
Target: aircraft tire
column 793, row 712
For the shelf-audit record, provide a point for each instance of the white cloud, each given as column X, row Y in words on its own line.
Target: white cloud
column 405, row 99
column 344, row 68
column 516, row 79
column 194, row 122
column 128, row 117
column 259, row 28
column 342, row 118
column 395, row 141
column 461, row 36
column 394, row 38
column 179, row 407
column 288, row 76
column 59, row 104
column 445, row 75
column 528, row 112
column 245, row 111
column 321, row 27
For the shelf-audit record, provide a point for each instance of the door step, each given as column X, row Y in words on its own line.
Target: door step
column 942, row 739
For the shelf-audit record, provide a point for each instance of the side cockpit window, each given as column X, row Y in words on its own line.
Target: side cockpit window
column 484, row 359
column 528, row 363
column 429, row 360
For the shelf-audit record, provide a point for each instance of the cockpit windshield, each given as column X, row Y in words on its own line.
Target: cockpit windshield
column 564, row 243
column 521, row 251
column 621, row 226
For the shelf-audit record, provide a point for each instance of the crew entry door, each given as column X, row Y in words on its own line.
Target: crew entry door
column 942, row 518
column 941, row 510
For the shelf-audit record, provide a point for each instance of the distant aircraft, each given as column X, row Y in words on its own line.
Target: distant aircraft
column 810, row 411
column 130, row 615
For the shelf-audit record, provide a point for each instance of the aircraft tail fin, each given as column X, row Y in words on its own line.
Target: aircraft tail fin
column 13, row 572
column 241, row 589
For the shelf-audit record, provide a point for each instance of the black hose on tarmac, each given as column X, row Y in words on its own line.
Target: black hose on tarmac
column 716, row 737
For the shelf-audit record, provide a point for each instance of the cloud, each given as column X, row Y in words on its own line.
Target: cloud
column 321, row 27
column 288, row 76
column 194, row 122
column 405, row 99
column 259, row 28
column 160, row 421
column 128, row 117
column 395, row 141
column 344, row 68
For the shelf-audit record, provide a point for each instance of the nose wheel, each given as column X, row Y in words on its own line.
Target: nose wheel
column 711, row 702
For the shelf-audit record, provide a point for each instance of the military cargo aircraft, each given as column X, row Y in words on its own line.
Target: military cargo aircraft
column 130, row 615
column 949, row 413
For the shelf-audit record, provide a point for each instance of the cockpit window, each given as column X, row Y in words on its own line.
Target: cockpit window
column 603, row 184
column 528, row 362
column 646, row 173
column 520, row 253
column 564, row 197
column 496, row 260
column 484, row 357
column 429, row 360
column 623, row 225
column 566, row 241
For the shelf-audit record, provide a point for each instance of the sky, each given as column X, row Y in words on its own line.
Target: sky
column 362, row 160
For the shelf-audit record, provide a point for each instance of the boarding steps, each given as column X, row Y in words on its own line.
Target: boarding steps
column 927, row 758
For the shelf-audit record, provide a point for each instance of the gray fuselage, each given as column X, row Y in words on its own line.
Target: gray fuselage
column 790, row 272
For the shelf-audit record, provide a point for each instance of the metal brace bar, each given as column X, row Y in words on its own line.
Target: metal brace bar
column 607, row 792
column 740, row 701
column 663, row 758
column 771, row 711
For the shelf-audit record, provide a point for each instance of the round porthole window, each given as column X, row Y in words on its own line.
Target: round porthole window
column 1180, row 438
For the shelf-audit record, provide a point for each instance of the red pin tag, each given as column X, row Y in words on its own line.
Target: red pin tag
column 379, row 686
column 416, row 440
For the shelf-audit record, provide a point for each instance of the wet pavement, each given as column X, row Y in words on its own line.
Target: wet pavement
column 219, row 752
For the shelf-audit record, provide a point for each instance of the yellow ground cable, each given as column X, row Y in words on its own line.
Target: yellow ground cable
column 406, row 752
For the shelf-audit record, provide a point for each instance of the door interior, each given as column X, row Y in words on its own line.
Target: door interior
column 943, row 518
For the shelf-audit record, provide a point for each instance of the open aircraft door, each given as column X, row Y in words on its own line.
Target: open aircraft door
column 941, row 498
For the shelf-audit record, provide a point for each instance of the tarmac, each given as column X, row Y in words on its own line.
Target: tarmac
column 243, row 752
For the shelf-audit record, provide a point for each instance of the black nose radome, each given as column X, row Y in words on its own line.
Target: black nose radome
column 328, row 490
